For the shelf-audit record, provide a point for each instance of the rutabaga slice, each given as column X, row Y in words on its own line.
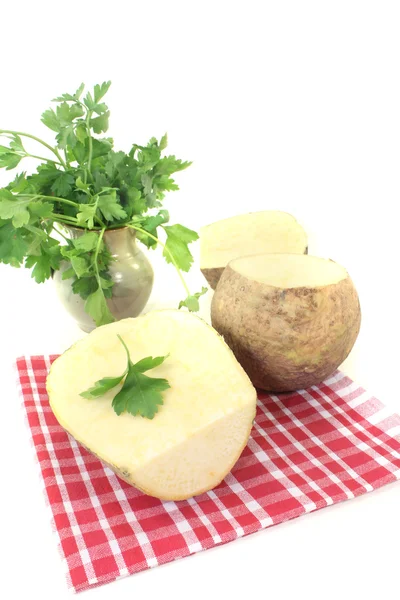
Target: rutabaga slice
column 199, row 431
column 252, row 233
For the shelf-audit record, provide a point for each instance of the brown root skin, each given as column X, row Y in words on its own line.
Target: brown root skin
column 213, row 276
column 286, row 339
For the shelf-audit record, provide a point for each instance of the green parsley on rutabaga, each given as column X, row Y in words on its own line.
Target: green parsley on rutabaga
column 140, row 394
column 89, row 185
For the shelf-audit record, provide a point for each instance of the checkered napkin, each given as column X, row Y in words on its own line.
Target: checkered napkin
column 307, row 450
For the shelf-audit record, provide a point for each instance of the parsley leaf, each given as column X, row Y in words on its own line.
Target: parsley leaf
column 163, row 142
column 16, row 144
column 81, row 132
column 49, row 259
column 49, row 118
column 66, row 137
column 41, row 210
column 85, row 286
column 100, row 124
column 13, row 244
column 79, row 265
column 86, row 215
column 109, row 206
column 149, row 363
column 150, row 225
column 101, row 90
column 92, row 280
column 62, row 184
column 69, row 97
column 171, row 164
column 86, row 242
column 13, row 208
column 102, row 386
column 19, row 183
column 96, row 306
column 178, row 238
column 192, row 302
column 140, row 394
column 114, row 160
column 9, row 160
column 42, row 267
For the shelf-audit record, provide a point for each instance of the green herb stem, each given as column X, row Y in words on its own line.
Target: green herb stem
column 90, row 141
column 96, row 254
column 153, row 237
column 61, row 234
column 64, row 219
column 37, row 230
column 63, row 201
column 126, row 349
column 28, row 155
column 33, row 137
column 54, row 162
column 52, row 198
column 101, row 223
column 66, row 158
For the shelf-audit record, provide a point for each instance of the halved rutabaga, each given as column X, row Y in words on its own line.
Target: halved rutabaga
column 198, row 433
column 252, row 233
column 290, row 319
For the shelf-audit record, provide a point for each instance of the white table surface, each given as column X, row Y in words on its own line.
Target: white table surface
column 285, row 105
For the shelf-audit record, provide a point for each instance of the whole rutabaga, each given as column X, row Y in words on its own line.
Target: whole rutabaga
column 89, row 185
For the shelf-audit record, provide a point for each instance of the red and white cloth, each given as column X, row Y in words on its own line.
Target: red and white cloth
column 307, row 450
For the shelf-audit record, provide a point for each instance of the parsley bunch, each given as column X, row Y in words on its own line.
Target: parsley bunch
column 89, row 185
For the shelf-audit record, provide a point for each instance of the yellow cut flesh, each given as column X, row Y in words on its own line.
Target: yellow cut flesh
column 202, row 461
column 253, row 233
column 199, row 431
column 289, row 270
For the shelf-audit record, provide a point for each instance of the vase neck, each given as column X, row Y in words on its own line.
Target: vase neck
column 118, row 241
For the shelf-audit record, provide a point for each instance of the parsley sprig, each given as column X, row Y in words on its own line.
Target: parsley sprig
column 140, row 394
column 88, row 185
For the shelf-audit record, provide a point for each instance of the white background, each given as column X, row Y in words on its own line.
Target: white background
column 281, row 105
